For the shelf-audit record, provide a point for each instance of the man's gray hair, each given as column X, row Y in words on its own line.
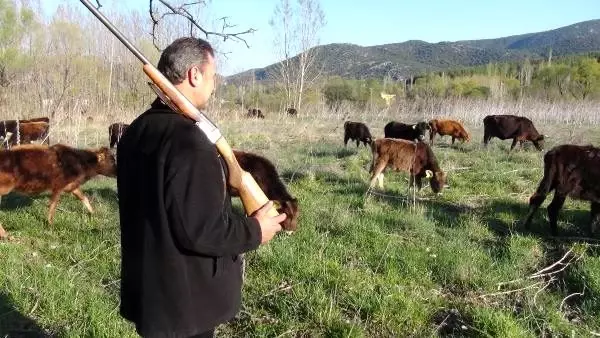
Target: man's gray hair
column 181, row 55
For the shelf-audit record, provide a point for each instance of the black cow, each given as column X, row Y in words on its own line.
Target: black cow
column 292, row 112
column 115, row 131
column 255, row 113
column 357, row 131
column 410, row 132
column 569, row 170
column 518, row 128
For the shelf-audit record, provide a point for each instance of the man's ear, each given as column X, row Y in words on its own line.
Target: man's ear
column 195, row 76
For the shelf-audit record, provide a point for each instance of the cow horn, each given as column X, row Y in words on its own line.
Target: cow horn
column 414, row 126
column 428, row 173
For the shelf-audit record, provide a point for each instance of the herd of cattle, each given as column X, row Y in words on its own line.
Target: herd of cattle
column 569, row 170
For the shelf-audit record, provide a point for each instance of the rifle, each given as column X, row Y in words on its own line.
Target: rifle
column 250, row 193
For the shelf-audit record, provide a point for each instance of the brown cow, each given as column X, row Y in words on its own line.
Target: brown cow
column 267, row 178
column 33, row 169
column 28, row 131
column 448, row 127
column 518, row 128
column 569, row 170
column 416, row 158
column 115, row 131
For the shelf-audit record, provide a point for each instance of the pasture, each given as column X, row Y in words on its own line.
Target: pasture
column 387, row 265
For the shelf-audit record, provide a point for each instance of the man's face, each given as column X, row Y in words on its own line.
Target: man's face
column 206, row 87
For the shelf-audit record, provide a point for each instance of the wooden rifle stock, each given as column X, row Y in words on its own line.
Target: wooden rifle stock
column 250, row 193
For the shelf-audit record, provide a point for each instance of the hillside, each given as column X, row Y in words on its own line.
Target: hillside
column 402, row 60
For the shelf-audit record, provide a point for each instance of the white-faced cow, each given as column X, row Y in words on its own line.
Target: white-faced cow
column 411, row 132
column 416, row 158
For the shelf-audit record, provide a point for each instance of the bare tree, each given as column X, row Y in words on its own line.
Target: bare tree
column 297, row 33
column 312, row 19
column 282, row 22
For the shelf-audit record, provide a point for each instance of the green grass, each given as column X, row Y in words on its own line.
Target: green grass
column 375, row 266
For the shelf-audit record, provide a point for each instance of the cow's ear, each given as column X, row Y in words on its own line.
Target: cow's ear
column 414, row 126
column 428, row 173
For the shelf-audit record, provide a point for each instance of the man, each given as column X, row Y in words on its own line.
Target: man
column 180, row 239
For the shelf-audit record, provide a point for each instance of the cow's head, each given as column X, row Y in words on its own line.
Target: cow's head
column 290, row 208
column 466, row 136
column 421, row 129
column 539, row 142
column 437, row 180
column 107, row 164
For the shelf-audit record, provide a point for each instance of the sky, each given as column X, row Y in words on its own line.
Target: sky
column 374, row 22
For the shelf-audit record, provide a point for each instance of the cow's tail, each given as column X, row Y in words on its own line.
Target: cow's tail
column 548, row 182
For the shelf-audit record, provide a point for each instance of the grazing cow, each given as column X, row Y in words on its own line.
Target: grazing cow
column 357, row 131
column 255, row 113
column 28, row 131
column 267, row 178
column 518, row 128
column 569, row 170
column 448, row 127
column 33, row 169
column 410, row 132
column 115, row 131
column 292, row 112
column 416, row 158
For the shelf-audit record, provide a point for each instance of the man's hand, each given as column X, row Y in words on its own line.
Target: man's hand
column 269, row 226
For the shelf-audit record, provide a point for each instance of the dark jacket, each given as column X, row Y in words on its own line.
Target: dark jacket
column 180, row 239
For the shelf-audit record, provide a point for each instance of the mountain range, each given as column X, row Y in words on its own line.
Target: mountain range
column 405, row 59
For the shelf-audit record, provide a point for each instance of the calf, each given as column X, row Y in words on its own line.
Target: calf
column 358, row 132
column 410, row 132
column 115, row 131
column 448, row 127
column 265, row 174
column 518, row 128
column 13, row 132
column 255, row 113
column 292, row 112
column 416, row 158
column 569, row 170
column 33, row 169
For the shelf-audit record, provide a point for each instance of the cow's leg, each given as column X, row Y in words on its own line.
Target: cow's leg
column 83, row 199
column 486, row 138
column 553, row 209
column 453, row 139
column 514, row 143
column 346, row 138
column 534, row 203
column 7, row 184
column 375, row 176
column 595, row 221
column 53, row 203
column 357, row 143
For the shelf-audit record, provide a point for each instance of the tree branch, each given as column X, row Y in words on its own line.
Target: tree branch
column 184, row 12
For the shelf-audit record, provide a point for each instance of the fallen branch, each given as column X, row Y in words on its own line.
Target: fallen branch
column 567, row 297
column 510, row 291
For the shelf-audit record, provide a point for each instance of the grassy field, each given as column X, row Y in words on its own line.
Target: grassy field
column 384, row 265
